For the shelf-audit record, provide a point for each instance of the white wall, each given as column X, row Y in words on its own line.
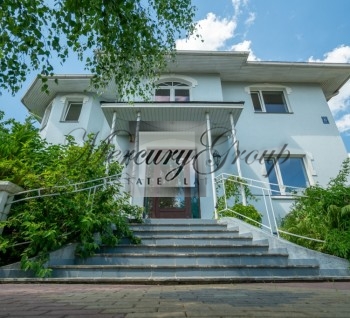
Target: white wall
column 91, row 120
column 302, row 130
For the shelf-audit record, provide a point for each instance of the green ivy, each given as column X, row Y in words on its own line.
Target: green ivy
column 68, row 213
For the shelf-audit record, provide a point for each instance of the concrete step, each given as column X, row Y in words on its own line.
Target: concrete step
column 188, row 259
column 258, row 247
column 182, row 272
column 212, row 240
column 181, row 233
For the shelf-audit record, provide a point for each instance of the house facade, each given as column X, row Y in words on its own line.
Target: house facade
column 211, row 113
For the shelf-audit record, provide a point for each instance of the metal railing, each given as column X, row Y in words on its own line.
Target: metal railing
column 90, row 185
column 263, row 192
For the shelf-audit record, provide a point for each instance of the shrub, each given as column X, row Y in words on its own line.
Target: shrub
column 324, row 214
column 233, row 188
column 66, row 213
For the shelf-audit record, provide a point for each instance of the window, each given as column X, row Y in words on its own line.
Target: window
column 46, row 116
column 269, row 101
column 286, row 174
column 72, row 111
column 172, row 92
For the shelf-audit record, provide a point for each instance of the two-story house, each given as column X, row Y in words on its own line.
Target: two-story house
column 211, row 113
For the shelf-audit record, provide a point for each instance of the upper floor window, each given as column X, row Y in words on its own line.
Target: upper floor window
column 286, row 174
column 72, row 111
column 269, row 101
column 172, row 92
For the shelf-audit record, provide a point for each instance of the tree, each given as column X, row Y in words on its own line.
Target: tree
column 67, row 212
column 120, row 40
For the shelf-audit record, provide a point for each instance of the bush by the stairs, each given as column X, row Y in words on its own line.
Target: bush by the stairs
column 247, row 213
column 229, row 204
column 63, row 213
column 323, row 213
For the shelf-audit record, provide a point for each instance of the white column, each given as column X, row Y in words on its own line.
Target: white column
column 238, row 163
column 135, row 169
column 111, row 137
column 114, row 124
column 212, row 162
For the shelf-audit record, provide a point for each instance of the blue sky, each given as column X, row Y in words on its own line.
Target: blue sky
column 272, row 30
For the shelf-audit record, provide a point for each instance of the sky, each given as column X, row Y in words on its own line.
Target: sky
column 271, row 30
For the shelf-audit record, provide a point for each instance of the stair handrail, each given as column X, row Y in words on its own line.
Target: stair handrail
column 40, row 192
column 265, row 187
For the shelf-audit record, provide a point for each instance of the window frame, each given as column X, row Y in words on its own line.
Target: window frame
column 262, row 105
column 165, row 84
column 281, row 187
column 67, row 109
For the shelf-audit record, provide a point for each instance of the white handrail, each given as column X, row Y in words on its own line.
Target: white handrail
column 266, row 191
column 102, row 182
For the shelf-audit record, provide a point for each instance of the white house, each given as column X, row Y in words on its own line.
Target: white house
column 266, row 121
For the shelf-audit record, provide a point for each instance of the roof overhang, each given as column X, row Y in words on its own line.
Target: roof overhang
column 173, row 114
column 234, row 67
column 230, row 66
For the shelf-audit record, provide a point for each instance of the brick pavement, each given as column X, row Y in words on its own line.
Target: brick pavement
column 321, row 299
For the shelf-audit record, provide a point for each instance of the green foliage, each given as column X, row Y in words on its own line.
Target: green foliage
column 233, row 187
column 124, row 40
column 247, row 213
column 324, row 214
column 64, row 213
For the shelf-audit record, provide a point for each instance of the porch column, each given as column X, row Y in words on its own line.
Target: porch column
column 238, row 163
column 110, row 138
column 211, row 158
column 135, row 169
column 114, row 123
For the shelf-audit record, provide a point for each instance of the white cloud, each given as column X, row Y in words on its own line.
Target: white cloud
column 343, row 123
column 341, row 102
column 213, row 31
column 340, row 54
column 250, row 20
column 245, row 46
column 237, row 4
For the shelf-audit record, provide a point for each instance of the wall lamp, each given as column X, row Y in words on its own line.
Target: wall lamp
column 217, row 158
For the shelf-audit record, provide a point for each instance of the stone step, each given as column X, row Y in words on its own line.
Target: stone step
column 182, row 272
column 208, row 235
column 180, row 227
column 257, row 247
column 192, row 240
column 175, row 222
column 190, row 259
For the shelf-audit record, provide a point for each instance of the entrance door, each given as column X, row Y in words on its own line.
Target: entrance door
column 171, row 190
column 176, row 206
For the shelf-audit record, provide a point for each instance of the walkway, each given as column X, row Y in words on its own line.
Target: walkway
column 321, row 299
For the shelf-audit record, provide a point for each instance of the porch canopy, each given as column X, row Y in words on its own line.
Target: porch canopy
column 176, row 116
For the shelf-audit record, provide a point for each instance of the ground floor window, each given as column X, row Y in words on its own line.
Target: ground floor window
column 286, row 174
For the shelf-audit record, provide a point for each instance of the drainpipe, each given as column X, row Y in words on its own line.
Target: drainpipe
column 238, row 163
column 212, row 161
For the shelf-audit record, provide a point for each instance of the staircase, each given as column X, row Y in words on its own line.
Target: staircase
column 187, row 251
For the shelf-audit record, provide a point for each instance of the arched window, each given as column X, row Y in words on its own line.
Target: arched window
column 172, row 91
